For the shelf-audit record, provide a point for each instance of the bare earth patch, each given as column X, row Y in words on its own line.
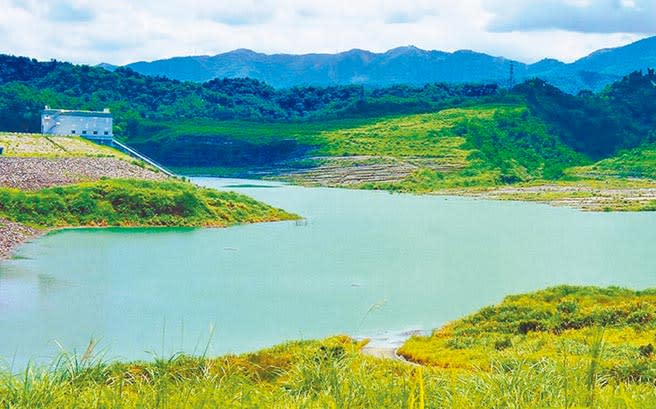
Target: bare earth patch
column 37, row 173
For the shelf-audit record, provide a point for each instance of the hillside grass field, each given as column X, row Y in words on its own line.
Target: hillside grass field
column 638, row 163
column 53, row 146
column 563, row 347
column 500, row 151
column 556, row 324
column 119, row 202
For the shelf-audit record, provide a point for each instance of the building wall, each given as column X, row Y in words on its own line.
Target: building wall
column 86, row 126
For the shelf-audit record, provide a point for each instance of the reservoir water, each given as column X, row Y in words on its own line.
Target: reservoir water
column 361, row 263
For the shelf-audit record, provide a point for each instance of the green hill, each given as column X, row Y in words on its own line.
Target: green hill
column 117, row 202
column 548, row 325
column 433, row 138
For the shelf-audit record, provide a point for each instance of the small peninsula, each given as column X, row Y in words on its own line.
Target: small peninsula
column 51, row 182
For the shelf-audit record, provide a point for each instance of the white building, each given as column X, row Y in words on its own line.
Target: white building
column 96, row 125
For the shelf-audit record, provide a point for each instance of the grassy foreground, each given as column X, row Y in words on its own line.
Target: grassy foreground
column 564, row 347
column 124, row 202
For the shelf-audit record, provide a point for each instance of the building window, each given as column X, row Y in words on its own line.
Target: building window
column 84, row 132
column 106, row 132
column 73, row 132
column 95, row 132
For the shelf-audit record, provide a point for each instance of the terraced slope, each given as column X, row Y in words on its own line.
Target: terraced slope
column 479, row 146
column 492, row 150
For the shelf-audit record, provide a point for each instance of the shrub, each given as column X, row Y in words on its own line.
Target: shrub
column 525, row 327
column 502, row 344
column 567, row 307
column 646, row 350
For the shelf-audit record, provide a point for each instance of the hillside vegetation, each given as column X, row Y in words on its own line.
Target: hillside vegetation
column 564, row 347
column 434, row 138
column 541, row 126
column 595, row 124
column 555, row 325
column 119, row 202
column 27, row 85
column 38, row 145
column 633, row 163
column 56, row 181
column 477, row 146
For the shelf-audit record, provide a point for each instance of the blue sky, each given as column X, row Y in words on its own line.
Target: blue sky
column 123, row 31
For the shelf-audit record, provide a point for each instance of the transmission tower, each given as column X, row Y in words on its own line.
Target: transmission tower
column 511, row 76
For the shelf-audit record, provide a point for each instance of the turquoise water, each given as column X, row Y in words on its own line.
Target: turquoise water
column 361, row 263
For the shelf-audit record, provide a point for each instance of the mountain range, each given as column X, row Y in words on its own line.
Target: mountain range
column 405, row 65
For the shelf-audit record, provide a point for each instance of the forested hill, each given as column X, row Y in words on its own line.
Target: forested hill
column 26, row 85
column 594, row 124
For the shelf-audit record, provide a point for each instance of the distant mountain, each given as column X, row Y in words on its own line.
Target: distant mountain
column 404, row 65
column 622, row 60
column 108, row 67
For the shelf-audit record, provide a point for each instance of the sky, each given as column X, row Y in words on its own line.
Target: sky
column 124, row 31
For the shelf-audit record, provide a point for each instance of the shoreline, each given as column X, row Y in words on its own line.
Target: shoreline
column 13, row 235
column 386, row 345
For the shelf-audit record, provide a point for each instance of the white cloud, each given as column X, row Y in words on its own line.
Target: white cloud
column 123, row 31
column 589, row 16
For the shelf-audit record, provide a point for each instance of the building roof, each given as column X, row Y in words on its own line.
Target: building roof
column 71, row 112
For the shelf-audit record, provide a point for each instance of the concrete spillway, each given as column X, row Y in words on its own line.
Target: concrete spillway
column 129, row 151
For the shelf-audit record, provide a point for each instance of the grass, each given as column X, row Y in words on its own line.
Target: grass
column 52, row 146
column 634, row 163
column 133, row 203
column 246, row 131
column 468, row 150
column 477, row 147
column 115, row 202
column 424, row 135
column 550, row 325
column 564, row 347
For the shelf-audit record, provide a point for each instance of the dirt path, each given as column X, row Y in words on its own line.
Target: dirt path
column 386, row 346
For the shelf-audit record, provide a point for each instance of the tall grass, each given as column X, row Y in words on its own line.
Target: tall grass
column 326, row 374
column 603, row 366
